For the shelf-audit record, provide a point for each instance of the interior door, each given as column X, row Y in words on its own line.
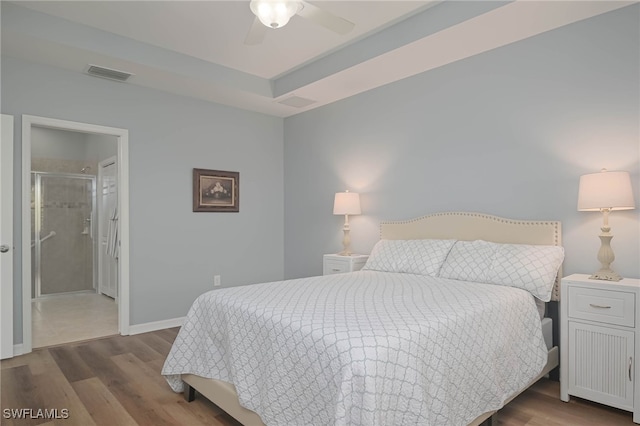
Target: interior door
column 6, row 237
column 108, row 228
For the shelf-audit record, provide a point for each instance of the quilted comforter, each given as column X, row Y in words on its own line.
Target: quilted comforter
column 363, row 348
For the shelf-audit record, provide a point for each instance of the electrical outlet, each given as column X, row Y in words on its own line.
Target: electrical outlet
column 216, row 280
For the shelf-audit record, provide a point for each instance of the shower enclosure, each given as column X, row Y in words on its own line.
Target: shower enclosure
column 62, row 217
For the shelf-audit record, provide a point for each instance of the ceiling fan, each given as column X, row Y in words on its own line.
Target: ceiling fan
column 276, row 13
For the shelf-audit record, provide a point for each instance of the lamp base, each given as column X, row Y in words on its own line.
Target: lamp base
column 606, row 275
column 346, row 240
column 605, row 254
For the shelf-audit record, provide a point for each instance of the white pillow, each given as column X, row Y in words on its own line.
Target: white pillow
column 542, row 307
column 422, row 257
column 469, row 261
column 529, row 267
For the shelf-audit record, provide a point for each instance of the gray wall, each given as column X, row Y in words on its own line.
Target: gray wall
column 174, row 252
column 55, row 150
column 101, row 147
column 58, row 144
column 508, row 133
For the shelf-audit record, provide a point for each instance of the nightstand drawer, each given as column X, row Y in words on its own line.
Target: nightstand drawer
column 335, row 267
column 611, row 307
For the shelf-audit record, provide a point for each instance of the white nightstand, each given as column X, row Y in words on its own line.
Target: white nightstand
column 336, row 264
column 599, row 341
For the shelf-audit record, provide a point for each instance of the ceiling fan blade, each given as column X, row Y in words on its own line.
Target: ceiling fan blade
column 325, row 19
column 256, row 33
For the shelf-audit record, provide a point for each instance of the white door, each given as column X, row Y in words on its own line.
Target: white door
column 6, row 237
column 108, row 228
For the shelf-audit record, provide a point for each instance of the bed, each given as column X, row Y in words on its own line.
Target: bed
column 311, row 377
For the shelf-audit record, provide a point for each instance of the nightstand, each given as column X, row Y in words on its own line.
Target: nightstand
column 336, row 264
column 599, row 341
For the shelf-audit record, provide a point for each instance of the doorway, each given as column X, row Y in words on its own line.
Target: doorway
column 66, row 306
column 73, row 197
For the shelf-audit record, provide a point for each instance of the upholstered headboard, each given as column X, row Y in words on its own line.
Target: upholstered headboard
column 477, row 226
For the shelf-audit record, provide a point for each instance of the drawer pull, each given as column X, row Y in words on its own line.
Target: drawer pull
column 630, row 362
column 336, row 270
column 599, row 306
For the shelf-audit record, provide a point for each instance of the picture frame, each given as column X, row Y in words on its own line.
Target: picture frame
column 216, row 191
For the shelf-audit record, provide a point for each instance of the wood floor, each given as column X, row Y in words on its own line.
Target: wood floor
column 116, row 381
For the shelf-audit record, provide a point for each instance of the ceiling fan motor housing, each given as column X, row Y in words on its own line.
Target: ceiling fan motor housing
column 274, row 13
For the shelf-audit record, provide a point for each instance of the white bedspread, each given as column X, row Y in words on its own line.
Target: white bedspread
column 365, row 348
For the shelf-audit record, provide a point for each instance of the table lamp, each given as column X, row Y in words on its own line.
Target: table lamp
column 346, row 203
column 605, row 191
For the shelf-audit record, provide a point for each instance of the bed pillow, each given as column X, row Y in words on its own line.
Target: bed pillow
column 469, row 261
column 529, row 267
column 422, row 257
column 542, row 307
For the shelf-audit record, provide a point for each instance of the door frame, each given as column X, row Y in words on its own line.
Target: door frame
column 6, row 206
column 122, row 135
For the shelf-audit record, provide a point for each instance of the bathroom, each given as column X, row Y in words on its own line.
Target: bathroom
column 73, row 227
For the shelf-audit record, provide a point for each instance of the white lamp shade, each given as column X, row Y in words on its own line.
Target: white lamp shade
column 346, row 203
column 274, row 13
column 605, row 190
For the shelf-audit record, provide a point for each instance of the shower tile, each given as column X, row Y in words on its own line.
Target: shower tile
column 56, row 165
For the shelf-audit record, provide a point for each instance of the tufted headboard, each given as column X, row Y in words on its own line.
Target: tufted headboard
column 477, row 226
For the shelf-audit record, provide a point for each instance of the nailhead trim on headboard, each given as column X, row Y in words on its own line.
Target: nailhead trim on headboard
column 555, row 229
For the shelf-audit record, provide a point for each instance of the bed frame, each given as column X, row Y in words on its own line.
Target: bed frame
column 452, row 225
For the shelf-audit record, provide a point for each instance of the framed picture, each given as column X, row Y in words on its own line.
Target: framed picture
column 215, row 191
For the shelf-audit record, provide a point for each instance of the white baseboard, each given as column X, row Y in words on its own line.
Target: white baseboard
column 147, row 327
column 155, row 325
column 18, row 349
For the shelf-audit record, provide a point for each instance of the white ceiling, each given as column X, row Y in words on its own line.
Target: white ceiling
column 196, row 48
column 214, row 31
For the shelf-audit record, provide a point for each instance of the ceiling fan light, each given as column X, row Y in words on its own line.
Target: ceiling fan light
column 274, row 14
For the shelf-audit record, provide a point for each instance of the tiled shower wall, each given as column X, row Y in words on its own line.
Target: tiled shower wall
column 66, row 262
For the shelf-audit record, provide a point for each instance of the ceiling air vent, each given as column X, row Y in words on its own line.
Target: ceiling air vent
column 297, row 102
column 108, row 73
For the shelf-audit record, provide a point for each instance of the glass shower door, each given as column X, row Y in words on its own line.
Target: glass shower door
column 64, row 257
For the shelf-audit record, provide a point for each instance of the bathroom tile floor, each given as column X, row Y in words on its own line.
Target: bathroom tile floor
column 71, row 318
